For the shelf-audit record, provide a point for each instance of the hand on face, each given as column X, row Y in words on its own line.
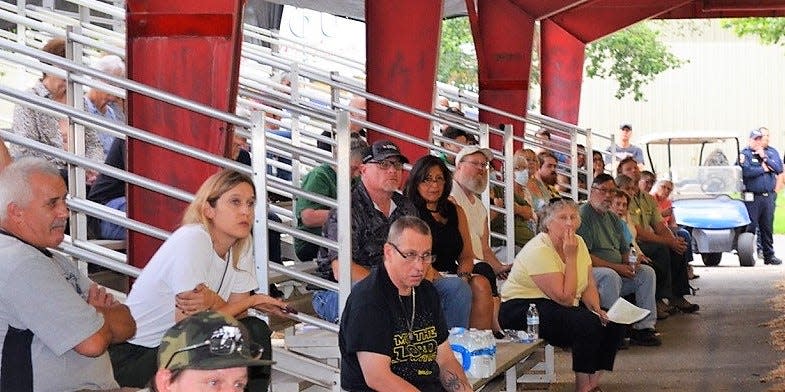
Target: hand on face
column 570, row 244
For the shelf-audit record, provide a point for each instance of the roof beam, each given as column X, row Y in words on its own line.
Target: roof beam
column 597, row 19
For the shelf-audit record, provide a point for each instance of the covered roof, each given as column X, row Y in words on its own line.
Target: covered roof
column 540, row 9
column 355, row 9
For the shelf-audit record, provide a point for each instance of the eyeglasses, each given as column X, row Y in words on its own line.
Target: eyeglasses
column 478, row 165
column 432, row 180
column 226, row 340
column 606, row 191
column 412, row 256
column 386, row 165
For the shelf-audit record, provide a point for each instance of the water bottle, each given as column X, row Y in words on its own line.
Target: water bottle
column 633, row 258
column 533, row 322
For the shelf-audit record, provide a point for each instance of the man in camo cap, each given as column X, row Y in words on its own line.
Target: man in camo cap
column 205, row 351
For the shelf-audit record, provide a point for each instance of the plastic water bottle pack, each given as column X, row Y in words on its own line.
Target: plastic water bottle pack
column 475, row 351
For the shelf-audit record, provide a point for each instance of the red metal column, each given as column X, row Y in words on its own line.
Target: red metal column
column 503, row 34
column 561, row 56
column 192, row 49
column 402, row 41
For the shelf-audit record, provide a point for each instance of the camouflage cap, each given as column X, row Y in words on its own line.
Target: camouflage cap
column 205, row 341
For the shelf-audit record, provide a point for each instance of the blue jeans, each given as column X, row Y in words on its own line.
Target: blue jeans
column 325, row 304
column 456, row 296
column 455, row 293
column 611, row 286
column 109, row 230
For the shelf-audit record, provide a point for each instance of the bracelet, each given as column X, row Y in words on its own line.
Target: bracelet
column 467, row 275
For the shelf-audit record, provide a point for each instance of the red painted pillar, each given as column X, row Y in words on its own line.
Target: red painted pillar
column 562, row 56
column 503, row 34
column 192, row 49
column 402, row 42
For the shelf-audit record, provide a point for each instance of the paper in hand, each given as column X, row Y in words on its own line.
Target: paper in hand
column 623, row 312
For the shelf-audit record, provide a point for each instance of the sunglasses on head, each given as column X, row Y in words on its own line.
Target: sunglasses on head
column 224, row 341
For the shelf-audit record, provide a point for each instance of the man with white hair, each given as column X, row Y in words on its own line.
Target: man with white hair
column 55, row 324
column 99, row 102
column 469, row 182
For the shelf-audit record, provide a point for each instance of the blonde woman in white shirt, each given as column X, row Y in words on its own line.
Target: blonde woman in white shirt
column 206, row 264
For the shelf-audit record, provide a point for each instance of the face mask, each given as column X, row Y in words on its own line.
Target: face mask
column 522, row 177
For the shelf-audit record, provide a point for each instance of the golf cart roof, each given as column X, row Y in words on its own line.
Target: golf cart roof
column 688, row 137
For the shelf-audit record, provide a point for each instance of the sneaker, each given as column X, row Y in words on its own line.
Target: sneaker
column 691, row 273
column 624, row 344
column 685, row 306
column 644, row 337
column 760, row 254
column 662, row 310
column 773, row 260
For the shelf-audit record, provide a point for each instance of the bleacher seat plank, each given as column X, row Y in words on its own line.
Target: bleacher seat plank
column 508, row 354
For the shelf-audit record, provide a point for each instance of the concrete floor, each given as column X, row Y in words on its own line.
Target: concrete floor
column 723, row 347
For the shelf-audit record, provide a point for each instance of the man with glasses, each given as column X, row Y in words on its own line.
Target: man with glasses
column 376, row 204
column 205, row 350
column 393, row 333
column 602, row 231
column 471, row 180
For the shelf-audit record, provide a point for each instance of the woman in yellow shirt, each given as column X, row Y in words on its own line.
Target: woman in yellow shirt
column 553, row 271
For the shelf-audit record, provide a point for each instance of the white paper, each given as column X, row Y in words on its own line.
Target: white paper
column 623, row 312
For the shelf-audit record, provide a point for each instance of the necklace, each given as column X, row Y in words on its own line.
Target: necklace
column 226, row 269
column 410, row 323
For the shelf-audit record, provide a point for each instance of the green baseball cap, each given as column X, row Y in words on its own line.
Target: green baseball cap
column 206, row 341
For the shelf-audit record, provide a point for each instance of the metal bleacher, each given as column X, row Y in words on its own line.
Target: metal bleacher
column 315, row 102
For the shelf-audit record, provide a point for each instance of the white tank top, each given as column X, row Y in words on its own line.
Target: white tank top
column 476, row 215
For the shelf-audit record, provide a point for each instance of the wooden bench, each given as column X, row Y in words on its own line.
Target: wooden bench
column 508, row 355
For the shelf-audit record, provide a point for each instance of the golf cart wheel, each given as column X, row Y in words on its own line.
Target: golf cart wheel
column 746, row 249
column 711, row 259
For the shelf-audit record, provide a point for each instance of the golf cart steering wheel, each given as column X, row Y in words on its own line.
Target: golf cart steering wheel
column 713, row 184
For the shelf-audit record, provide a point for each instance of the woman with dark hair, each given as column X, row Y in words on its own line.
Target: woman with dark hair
column 428, row 187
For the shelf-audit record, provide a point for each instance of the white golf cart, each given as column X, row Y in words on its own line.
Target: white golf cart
column 707, row 191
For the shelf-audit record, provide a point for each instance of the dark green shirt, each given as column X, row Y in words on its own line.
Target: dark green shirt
column 321, row 180
column 603, row 234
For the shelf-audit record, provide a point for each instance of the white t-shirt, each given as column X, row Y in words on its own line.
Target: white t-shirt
column 186, row 259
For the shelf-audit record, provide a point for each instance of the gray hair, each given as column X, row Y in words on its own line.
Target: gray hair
column 15, row 181
column 407, row 222
column 110, row 64
column 548, row 212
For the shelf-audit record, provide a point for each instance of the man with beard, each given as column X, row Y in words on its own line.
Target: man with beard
column 471, row 180
column 55, row 324
column 393, row 335
column 376, row 204
column 602, row 231
column 543, row 185
column 655, row 239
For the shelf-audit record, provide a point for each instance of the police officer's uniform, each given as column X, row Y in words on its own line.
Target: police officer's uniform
column 760, row 183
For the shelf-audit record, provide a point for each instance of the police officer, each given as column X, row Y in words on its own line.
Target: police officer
column 760, row 166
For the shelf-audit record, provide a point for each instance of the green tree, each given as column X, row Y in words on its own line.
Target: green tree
column 457, row 58
column 634, row 57
column 769, row 30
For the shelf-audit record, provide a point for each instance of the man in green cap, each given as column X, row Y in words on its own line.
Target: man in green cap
column 205, row 352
